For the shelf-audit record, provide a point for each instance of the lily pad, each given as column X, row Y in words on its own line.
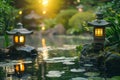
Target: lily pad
column 79, row 78
column 77, row 70
column 53, row 75
column 91, row 74
column 88, row 65
column 68, row 63
column 95, row 78
column 56, row 72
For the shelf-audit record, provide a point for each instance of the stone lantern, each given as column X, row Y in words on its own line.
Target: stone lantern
column 19, row 34
column 19, row 48
column 99, row 31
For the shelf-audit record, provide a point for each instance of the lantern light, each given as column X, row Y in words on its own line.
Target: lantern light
column 19, row 39
column 99, row 32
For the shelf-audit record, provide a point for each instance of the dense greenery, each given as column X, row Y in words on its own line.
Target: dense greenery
column 112, row 14
column 78, row 22
column 7, row 17
column 64, row 16
column 2, row 74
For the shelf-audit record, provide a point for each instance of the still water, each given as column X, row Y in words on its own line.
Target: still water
column 57, row 59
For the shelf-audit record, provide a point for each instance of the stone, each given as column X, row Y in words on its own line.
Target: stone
column 57, row 30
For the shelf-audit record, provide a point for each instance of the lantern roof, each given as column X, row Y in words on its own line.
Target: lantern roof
column 20, row 30
column 33, row 15
column 99, row 22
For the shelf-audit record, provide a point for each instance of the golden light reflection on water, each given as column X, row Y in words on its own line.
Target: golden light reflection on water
column 45, row 50
column 20, row 66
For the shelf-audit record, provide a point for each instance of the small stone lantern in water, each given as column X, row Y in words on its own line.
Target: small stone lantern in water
column 99, row 31
column 19, row 47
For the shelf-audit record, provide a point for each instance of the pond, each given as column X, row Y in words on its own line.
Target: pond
column 57, row 59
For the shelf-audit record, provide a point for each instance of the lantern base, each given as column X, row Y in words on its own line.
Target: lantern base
column 98, row 47
column 18, row 52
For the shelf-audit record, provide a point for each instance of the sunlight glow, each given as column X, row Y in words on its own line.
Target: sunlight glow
column 44, row 12
column 78, row 1
column 45, row 2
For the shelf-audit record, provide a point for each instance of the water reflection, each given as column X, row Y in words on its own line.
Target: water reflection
column 45, row 50
column 16, row 69
column 53, row 51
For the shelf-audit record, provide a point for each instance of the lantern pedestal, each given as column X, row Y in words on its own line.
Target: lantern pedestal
column 26, row 51
column 98, row 46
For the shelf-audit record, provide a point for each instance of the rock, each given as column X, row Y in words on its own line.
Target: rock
column 57, row 30
column 112, row 63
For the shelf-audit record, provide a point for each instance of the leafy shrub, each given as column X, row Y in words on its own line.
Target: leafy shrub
column 78, row 22
column 64, row 16
column 49, row 23
column 7, row 18
column 2, row 74
column 112, row 14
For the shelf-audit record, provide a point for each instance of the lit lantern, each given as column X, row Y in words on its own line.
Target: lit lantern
column 80, row 8
column 19, row 34
column 99, row 31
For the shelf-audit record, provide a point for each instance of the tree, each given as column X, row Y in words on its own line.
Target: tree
column 7, row 17
column 64, row 16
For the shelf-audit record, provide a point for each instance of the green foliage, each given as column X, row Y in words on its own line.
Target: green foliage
column 112, row 14
column 79, row 48
column 2, row 74
column 7, row 17
column 115, row 78
column 49, row 23
column 78, row 22
column 64, row 16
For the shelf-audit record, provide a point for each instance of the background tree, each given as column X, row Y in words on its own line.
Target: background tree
column 64, row 16
column 78, row 22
